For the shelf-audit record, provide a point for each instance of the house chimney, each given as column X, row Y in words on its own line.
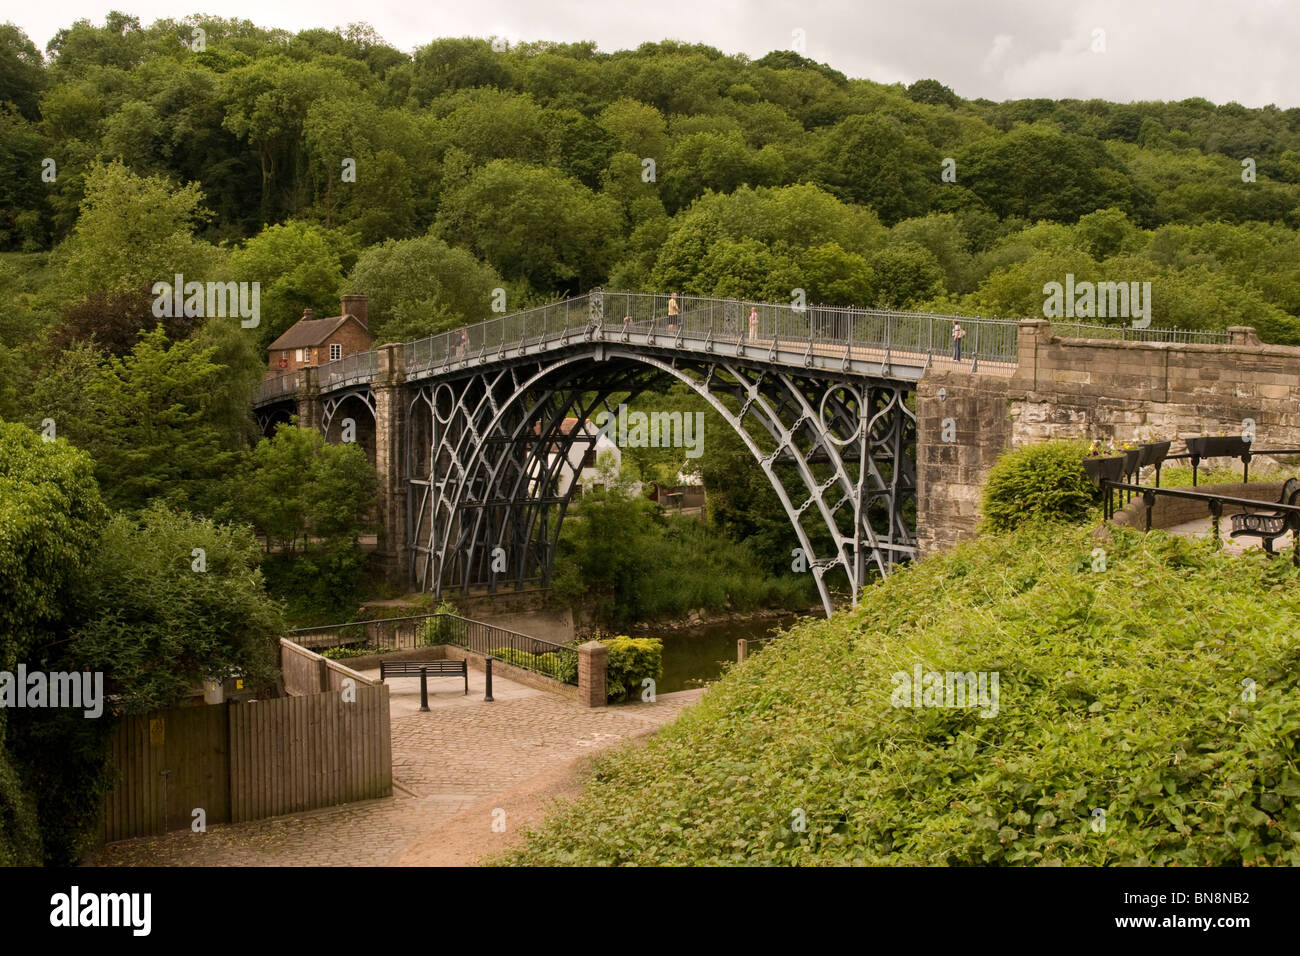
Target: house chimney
column 307, row 315
column 355, row 305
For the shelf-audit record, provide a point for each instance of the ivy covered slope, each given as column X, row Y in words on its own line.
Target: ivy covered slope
column 1119, row 689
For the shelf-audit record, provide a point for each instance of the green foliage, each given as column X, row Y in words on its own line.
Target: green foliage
column 134, row 231
column 632, row 660
column 1043, row 481
column 629, row 562
column 154, row 425
column 348, row 651
column 532, row 224
column 1120, row 690
column 20, row 837
column 563, row 667
column 51, row 517
column 440, row 629
column 312, row 501
column 164, row 626
column 298, row 266
column 420, row 286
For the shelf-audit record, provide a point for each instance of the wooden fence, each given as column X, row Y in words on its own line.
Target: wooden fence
column 245, row 761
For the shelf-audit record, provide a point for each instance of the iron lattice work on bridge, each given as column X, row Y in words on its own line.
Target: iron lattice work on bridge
column 488, row 450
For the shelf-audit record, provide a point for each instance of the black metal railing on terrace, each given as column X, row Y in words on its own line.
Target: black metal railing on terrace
column 559, row 661
column 823, row 330
column 1079, row 330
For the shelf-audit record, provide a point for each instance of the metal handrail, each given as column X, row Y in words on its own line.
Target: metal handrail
column 477, row 636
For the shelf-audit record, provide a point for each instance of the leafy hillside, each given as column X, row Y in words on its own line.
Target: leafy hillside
column 1119, row 690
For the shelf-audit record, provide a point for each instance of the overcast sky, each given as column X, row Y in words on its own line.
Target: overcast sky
column 1243, row 50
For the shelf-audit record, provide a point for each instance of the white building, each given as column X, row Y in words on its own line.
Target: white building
column 586, row 464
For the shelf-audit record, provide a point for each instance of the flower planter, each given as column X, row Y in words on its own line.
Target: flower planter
column 1110, row 469
column 1218, row 446
column 1153, row 453
column 1132, row 457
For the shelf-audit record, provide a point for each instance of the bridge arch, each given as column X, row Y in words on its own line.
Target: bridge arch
column 350, row 413
column 495, row 445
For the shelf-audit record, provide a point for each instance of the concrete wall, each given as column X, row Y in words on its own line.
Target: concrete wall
column 1073, row 388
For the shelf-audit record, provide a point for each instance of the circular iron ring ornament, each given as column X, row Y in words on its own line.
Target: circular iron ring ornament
column 855, row 401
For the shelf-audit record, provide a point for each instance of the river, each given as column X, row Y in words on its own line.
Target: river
column 696, row 655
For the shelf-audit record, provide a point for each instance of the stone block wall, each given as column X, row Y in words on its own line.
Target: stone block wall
column 1074, row 388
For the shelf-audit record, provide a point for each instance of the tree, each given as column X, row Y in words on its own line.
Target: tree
column 456, row 64
column 114, row 321
column 1039, row 173
column 22, row 71
column 157, row 433
column 312, row 501
column 420, row 286
column 266, row 104
column 906, row 274
column 50, row 517
column 134, row 231
column 181, row 600
column 533, row 224
column 932, row 92
column 716, row 161
column 872, row 160
column 298, row 266
column 636, row 128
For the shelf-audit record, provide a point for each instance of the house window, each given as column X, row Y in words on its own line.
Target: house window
column 589, row 459
column 336, row 352
column 298, row 356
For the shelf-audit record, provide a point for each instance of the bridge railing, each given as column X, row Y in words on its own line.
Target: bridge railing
column 703, row 319
column 358, row 367
column 1079, row 330
column 276, row 386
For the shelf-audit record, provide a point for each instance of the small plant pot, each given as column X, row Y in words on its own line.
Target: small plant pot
column 1218, row 446
column 1132, row 458
column 1099, row 469
column 1153, row 453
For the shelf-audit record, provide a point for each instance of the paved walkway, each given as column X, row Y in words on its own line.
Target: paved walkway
column 452, row 768
column 1203, row 527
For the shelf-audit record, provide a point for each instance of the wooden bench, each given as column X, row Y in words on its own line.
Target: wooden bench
column 432, row 668
column 1267, row 526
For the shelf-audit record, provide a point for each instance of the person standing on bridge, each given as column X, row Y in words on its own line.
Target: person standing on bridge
column 958, row 333
column 753, row 323
column 674, row 310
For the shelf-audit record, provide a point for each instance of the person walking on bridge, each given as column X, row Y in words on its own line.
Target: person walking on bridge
column 958, row 333
column 674, row 310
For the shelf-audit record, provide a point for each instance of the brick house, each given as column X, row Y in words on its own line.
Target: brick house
column 313, row 341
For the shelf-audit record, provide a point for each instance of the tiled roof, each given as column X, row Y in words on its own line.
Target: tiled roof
column 307, row 333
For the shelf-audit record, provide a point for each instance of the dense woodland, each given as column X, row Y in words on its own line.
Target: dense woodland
column 328, row 161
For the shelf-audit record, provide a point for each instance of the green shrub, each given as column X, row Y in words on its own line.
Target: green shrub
column 440, row 630
column 1039, row 481
column 632, row 660
column 1123, row 691
column 563, row 667
column 347, row 651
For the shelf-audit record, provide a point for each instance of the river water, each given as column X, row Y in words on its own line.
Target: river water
column 693, row 656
